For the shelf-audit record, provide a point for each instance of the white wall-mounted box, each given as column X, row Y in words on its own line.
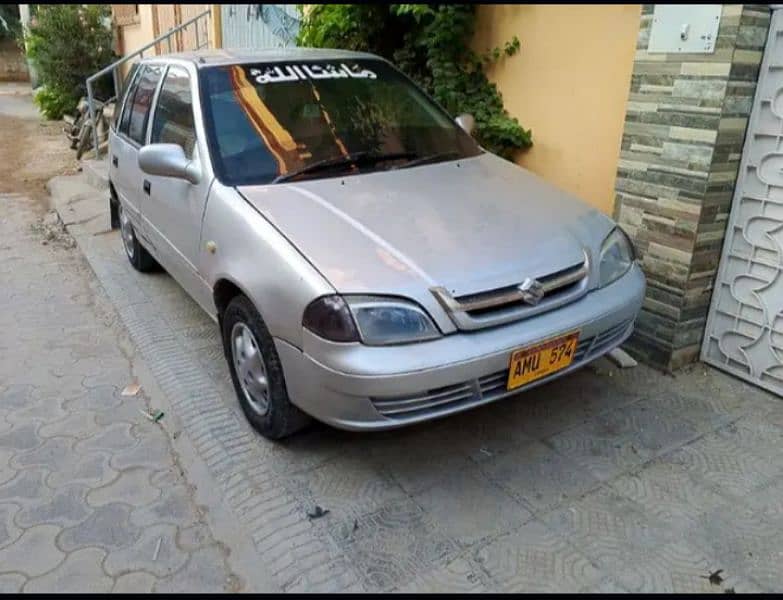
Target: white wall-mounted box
column 690, row 28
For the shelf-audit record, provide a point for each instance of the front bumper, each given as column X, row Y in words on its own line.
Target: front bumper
column 361, row 388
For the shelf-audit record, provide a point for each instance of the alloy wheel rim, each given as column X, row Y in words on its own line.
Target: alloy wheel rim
column 126, row 229
column 250, row 368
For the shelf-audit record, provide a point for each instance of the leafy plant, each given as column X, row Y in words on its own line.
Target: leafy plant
column 67, row 43
column 52, row 104
column 430, row 43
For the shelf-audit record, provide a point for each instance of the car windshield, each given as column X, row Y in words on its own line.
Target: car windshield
column 292, row 120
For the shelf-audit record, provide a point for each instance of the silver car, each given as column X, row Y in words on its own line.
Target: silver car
column 367, row 262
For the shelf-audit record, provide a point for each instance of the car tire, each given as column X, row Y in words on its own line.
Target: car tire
column 257, row 373
column 136, row 253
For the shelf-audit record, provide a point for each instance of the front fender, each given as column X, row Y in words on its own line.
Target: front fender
column 258, row 259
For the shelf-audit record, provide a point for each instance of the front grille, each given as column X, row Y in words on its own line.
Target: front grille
column 505, row 298
column 507, row 304
column 489, row 387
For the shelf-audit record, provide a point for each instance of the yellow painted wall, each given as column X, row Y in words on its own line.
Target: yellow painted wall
column 569, row 83
column 137, row 35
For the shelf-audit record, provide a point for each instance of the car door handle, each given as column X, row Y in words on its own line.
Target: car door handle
column 147, row 187
column 114, row 160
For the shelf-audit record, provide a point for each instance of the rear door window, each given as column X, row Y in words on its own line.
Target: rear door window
column 142, row 102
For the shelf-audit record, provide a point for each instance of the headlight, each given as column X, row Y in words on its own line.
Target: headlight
column 373, row 320
column 617, row 256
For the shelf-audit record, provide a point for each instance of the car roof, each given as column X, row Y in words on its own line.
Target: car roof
column 232, row 56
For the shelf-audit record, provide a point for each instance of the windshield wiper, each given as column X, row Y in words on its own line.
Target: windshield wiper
column 356, row 158
column 423, row 160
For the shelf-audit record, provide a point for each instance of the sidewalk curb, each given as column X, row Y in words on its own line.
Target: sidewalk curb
column 226, row 527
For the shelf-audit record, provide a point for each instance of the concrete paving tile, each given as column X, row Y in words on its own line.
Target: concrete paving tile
column 702, row 412
column 767, row 503
column 26, row 485
column 459, row 576
column 203, row 573
column 595, row 392
column 193, row 537
column 670, row 492
column 11, row 583
column 6, row 470
column 140, row 556
column 134, row 583
column 654, row 430
column 743, row 542
column 40, row 411
column 673, row 568
column 92, row 470
column 757, row 437
column 541, row 412
column 533, row 559
column 9, row 531
column 200, row 336
column 608, row 529
column 107, row 527
column 468, row 508
column 726, row 464
column 393, row 545
column 132, row 486
column 483, row 433
column 305, row 451
column 33, row 553
column 540, row 477
column 415, row 475
column 21, row 437
column 173, row 506
column 99, row 400
column 330, row 577
column 152, row 453
column 65, row 508
column 112, row 438
column 80, row 572
column 348, row 486
column 79, row 425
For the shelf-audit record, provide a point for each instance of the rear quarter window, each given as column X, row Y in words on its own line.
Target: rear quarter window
column 124, row 118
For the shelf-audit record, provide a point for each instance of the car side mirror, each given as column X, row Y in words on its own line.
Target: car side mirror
column 168, row 160
column 467, row 122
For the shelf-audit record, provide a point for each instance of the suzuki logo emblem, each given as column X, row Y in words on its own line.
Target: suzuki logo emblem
column 532, row 291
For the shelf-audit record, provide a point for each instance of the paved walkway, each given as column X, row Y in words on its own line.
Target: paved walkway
column 92, row 497
column 602, row 481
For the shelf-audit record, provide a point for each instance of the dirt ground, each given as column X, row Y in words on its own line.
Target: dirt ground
column 36, row 150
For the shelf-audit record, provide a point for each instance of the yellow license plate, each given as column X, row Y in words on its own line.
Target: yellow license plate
column 534, row 362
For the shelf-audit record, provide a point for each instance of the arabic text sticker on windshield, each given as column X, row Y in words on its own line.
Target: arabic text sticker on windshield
column 301, row 72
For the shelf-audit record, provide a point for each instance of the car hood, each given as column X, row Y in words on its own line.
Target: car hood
column 470, row 225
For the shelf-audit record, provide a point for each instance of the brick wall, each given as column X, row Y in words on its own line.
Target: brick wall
column 681, row 147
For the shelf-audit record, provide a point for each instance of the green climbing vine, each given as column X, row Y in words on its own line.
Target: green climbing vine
column 431, row 44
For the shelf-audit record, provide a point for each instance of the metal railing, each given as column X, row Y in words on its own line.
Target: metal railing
column 115, row 66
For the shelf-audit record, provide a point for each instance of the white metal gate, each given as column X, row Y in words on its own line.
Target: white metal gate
column 744, row 333
column 259, row 25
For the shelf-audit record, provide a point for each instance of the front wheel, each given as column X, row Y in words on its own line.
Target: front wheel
column 256, row 372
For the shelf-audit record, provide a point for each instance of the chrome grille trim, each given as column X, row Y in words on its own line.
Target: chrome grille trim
column 506, row 300
column 489, row 387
